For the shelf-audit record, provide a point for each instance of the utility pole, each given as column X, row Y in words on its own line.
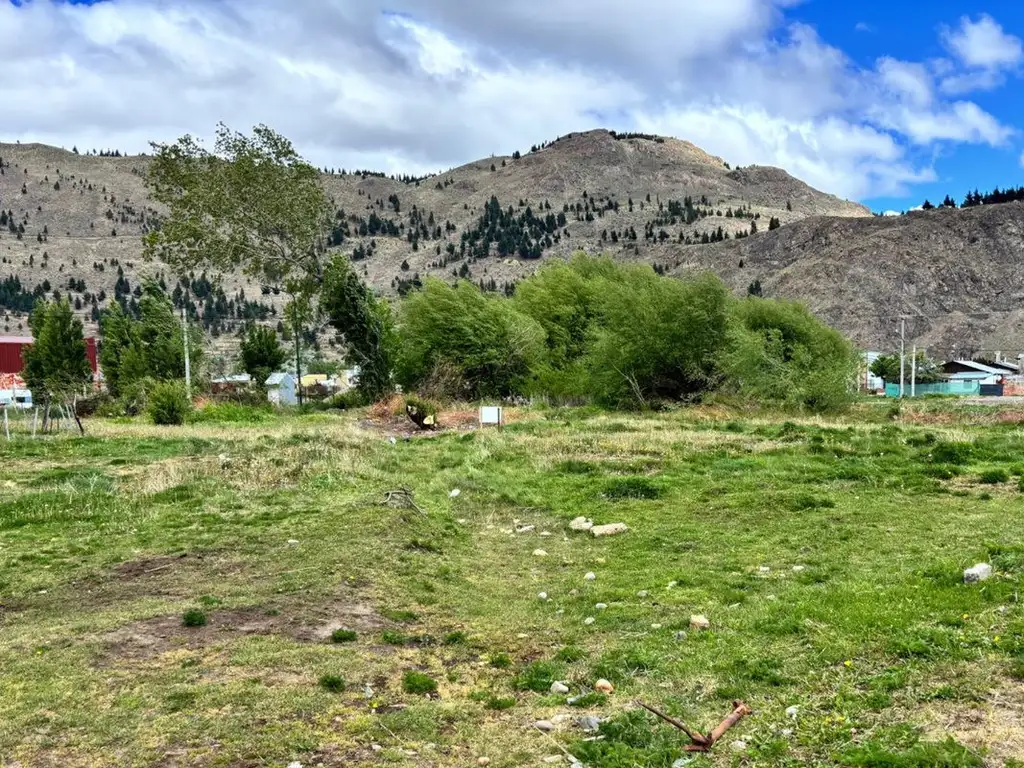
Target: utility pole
column 903, row 352
column 913, row 373
column 188, row 361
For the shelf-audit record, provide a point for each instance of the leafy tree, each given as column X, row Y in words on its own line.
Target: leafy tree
column 887, row 368
column 56, row 366
column 262, row 353
column 364, row 324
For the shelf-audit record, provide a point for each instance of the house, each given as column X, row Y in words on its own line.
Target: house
column 970, row 370
column 281, row 389
column 234, row 383
column 11, row 347
column 13, row 392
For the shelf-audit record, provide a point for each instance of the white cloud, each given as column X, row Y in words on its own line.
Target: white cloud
column 1022, row 160
column 421, row 85
column 983, row 43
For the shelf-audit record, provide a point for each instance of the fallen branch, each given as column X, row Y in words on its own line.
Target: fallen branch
column 703, row 743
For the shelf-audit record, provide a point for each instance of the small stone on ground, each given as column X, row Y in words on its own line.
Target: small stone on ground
column 589, row 723
column 560, row 688
column 699, row 622
column 544, row 725
column 609, row 530
column 980, row 572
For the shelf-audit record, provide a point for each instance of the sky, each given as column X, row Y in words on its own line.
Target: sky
column 887, row 103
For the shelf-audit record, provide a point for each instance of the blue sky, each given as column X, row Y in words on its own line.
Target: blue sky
column 883, row 102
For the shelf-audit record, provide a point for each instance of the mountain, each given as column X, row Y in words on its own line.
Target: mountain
column 646, row 199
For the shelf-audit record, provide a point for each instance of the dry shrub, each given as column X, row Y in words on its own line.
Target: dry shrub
column 388, row 408
column 444, row 383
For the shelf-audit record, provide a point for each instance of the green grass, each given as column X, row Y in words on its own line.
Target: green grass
column 827, row 555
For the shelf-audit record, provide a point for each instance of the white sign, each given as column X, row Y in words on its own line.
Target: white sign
column 490, row 414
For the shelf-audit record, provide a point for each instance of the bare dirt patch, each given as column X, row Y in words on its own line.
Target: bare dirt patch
column 154, row 637
column 995, row 724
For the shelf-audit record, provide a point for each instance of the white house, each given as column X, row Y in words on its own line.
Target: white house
column 15, row 398
column 281, row 389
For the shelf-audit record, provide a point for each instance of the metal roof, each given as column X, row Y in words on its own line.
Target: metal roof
column 16, row 339
column 979, row 366
column 276, row 379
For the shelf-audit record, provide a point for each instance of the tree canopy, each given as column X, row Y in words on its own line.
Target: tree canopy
column 55, row 364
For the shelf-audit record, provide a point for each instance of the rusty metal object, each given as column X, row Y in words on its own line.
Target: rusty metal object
column 702, row 743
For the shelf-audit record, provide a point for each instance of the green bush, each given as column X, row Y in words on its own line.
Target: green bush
column 994, row 476
column 193, row 618
column 493, row 348
column 332, row 683
column 779, row 353
column 951, row 453
column 343, row 636
column 499, row 703
column 168, row 403
column 418, row 683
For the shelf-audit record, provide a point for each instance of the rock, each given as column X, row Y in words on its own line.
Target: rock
column 604, row 686
column 559, row 688
column 591, row 576
column 540, row 553
column 544, row 725
column 764, row 569
column 376, row 747
column 609, row 530
column 553, row 759
column 682, row 762
column 799, row 568
column 225, row 461
column 526, row 529
column 739, row 746
column 455, row 492
column 295, row 764
column 393, row 440
column 462, row 521
column 368, row 691
column 573, row 592
column 980, row 572
column 589, row 723
column 787, row 732
column 545, row 534
column 589, row 620
column 483, row 761
column 642, row 593
column 655, row 626
column 792, row 712
column 699, row 622
column 293, row 542
column 600, row 606
column 672, row 585
column 679, row 636
column 581, row 524
column 542, row 595
column 560, row 612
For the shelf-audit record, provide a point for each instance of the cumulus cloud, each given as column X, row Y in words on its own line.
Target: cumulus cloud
column 985, row 51
column 422, row 85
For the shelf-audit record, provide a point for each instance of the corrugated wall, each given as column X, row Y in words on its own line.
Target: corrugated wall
column 10, row 357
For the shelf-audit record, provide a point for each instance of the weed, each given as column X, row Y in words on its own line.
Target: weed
column 393, row 637
column 944, row 754
column 193, row 618
column 570, row 654
column 332, row 683
column 414, row 682
column 631, row 488
column 499, row 702
column 343, row 636
column 500, row 661
column 538, row 676
column 457, row 637
column 577, row 467
column 951, row 453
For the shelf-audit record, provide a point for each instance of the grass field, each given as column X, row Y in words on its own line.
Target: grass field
column 333, row 627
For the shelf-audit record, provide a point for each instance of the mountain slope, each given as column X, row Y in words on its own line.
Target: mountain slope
column 955, row 273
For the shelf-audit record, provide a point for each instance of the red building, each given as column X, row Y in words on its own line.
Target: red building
column 10, row 353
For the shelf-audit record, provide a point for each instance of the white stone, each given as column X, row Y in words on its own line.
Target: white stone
column 682, row 762
column 581, row 524
column 526, row 529
column 764, row 569
column 642, row 593
column 609, row 530
column 591, row 576
column 542, row 595
column 540, row 553
column 655, row 626
column 589, row 620
column 787, row 732
column 792, row 712
column 553, row 759
column 559, row 688
column 799, row 568
column 739, row 746
column 455, row 492
column 295, row 764
column 293, row 542
column 679, row 636
column 376, row 747
column 672, row 585
column 980, row 572
column 699, row 622
column 483, row 761
column 545, row 534
column 600, row 606
column 544, row 725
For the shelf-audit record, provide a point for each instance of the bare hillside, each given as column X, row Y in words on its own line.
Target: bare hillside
column 955, row 273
